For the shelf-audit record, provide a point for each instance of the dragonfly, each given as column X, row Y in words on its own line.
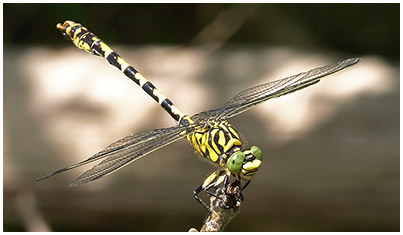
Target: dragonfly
column 209, row 132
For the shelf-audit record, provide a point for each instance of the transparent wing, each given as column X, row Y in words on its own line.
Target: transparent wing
column 125, row 151
column 248, row 98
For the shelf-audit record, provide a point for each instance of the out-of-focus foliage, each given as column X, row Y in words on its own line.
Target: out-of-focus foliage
column 369, row 28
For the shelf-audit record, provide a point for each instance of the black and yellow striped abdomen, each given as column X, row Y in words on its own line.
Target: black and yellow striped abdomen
column 87, row 41
column 216, row 142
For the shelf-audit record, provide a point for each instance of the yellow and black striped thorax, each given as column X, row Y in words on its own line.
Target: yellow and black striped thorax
column 216, row 142
column 87, row 41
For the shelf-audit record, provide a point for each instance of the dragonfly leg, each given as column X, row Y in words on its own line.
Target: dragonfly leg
column 246, row 184
column 212, row 181
column 240, row 195
column 195, row 194
column 223, row 190
column 229, row 194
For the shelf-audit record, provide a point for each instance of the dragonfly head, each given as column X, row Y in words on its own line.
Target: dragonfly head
column 244, row 164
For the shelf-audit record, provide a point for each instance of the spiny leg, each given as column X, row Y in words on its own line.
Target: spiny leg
column 212, row 181
column 209, row 181
column 241, row 197
column 227, row 189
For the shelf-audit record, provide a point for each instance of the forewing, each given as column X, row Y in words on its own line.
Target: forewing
column 248, row 98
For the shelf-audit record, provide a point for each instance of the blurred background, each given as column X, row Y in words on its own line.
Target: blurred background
column 331, row 151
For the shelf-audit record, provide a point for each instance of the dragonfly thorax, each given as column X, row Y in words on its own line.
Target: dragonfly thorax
column 221, row 144
column 216, row 142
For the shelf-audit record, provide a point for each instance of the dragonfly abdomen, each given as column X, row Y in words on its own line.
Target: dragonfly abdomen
column 87, row 41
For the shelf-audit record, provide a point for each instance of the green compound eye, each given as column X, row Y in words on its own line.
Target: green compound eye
column 234, row 163
column 256, row 152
